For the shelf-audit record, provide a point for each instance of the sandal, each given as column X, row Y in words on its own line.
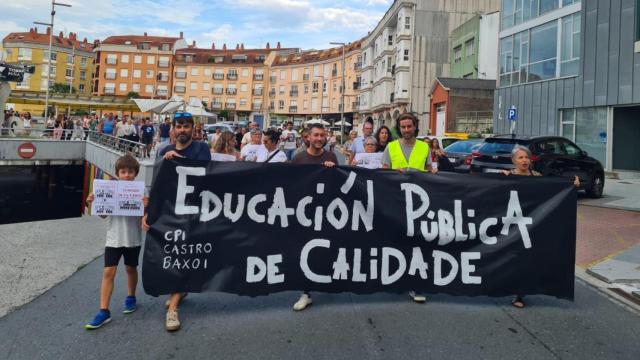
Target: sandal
column 518, row 302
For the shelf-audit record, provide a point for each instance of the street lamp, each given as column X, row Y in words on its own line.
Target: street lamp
column 342, row 93
column 53, row 13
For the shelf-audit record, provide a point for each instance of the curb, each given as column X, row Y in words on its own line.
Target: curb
column 631, row 303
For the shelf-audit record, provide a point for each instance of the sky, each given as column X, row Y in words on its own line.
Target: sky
column 306, row 24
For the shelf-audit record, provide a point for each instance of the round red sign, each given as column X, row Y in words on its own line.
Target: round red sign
column 27, row 150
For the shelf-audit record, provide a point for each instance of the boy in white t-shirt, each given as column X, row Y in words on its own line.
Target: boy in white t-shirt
column 124, row 239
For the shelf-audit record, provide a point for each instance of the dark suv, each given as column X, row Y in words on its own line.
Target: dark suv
column 550, row 155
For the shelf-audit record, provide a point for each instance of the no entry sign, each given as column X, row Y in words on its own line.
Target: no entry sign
column 27, row 150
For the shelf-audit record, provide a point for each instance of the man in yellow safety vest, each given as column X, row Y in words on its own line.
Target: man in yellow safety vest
column 417, row 152
column 407, row 153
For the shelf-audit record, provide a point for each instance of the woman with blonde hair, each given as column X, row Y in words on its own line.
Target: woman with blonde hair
column 224, row 149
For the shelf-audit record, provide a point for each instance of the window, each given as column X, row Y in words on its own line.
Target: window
column 148, row 89
column 110, row 74
column 69, row 73
column 469, row 47
column 137, row 59
column 24, row 54
column 294, row 75
column 390, row 40
column 206, row 86
column 54, row 55
column 407, row 23
column 207, row 72
column 193, row 85
column 543, row 52
column 243, row 87
column 81, row 88
column 124, row 59
column 135, row 87
column 83, row 75
column 515, row 12
column 149, row 74
column 83, row 62
column 457, row 53
column 151, row 60
column 306, row 88
column 244, row 72
column 315, row 87
column 205, row 100
column 195, row 71
column 124, row 73
column 243, row 102
column 283, row 75
column 324, row 87
column 137, row 74
column 165, row 47
column 568, row 124
column 570, row 46
column 26, row 80
column 282, row 89
column 70, row 59
column 281, row 105
column 123, row 87
column 406, row 55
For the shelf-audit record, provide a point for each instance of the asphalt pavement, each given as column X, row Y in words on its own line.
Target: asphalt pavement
column 336, row 326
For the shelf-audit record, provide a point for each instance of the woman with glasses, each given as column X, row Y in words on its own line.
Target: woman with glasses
column 370, row 158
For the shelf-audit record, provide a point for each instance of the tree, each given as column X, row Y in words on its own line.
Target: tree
column 132, row 94
column 62, row 88
column 224, row 114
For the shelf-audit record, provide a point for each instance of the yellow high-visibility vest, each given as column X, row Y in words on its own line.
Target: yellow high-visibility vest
column 417, row 160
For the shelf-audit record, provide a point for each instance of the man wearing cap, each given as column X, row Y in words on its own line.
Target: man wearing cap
column 186, row 148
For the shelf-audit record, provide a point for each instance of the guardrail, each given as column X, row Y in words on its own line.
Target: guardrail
column 120, row 145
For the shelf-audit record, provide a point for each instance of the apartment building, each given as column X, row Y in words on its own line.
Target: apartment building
column 133, row 63
column 404, row 54
column 474, row 48
column 231, row 80
column 567, row 67
column 71, row 63
column 308, row 85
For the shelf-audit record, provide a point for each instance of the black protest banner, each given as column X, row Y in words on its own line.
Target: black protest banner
column 254, row 229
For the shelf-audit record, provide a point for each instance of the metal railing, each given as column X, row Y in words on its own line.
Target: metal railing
column 120, row 145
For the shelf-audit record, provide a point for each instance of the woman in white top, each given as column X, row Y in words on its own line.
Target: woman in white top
column 254, row 150
column 224, row 148
column 272, row 150
column 26, row 122
column 369, row 159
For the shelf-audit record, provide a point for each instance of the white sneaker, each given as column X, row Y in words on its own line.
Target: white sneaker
column 172, row 323
column 302, row 303
column 419, row 298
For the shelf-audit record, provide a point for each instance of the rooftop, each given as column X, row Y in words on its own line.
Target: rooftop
column 312, row 56
column 35, row 37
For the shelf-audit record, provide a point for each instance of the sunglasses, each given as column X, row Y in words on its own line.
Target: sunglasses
column 182, row 115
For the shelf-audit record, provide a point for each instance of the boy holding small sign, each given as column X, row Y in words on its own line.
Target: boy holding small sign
column 124, row 239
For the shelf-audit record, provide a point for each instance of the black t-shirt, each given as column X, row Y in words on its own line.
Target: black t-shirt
column 305, row 158
column 164, row 130
column 147, row 131
column 198, row 150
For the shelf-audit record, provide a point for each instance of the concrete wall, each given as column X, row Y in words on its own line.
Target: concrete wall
column 609, row 73
column 47, row 151
column 488, row 46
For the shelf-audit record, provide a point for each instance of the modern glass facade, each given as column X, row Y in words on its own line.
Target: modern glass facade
column 542, row 52
column 587, row 127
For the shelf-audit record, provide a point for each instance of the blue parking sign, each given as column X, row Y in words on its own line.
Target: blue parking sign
column 513, row 114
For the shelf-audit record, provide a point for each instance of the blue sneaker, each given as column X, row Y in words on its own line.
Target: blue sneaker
column 102, row 317
column 129, row 305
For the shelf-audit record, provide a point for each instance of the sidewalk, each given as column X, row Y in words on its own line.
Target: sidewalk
column 623, row 194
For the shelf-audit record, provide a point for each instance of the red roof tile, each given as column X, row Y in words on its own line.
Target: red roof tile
column 59, row 40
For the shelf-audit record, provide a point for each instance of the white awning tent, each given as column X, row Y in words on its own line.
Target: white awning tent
column 317, row 121
column 173, row 105
column 339, row 123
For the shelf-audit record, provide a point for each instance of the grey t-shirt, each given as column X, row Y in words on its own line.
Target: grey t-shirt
column 406, row 151
column 124, row 231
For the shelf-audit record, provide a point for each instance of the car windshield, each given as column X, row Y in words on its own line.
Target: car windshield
column 461, row 147
column 497, row 147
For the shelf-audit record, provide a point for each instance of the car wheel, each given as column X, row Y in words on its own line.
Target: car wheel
column 597, row 185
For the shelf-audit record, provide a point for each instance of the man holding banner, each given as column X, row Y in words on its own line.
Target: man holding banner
column 184, row 147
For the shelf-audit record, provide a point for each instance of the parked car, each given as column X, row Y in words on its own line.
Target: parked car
column 550, row 155
column 460, row 152
column 211, row 128
column 444, row 140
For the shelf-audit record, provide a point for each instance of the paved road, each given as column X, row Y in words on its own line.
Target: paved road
column 343, row 326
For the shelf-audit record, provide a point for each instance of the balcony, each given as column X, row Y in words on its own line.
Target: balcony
column 293, row 109
column 230, row 106
column 257, row 92
column 179, row 89
column 232, row 76
column 162, row 92
column 272, row 108
column 355, row 105
column 217, row 91
column 357, row 66
column 356, row 85
column 256, row 107
column 163, row 77
column 232, row 91
column 272, row 93
column 112, row 61
column 258, row 77
column 334, row 72
column 109, row 91
column 107, row 76
column 218, row 76
column 163, row 64
column 272, row 79
column 181, row 74
column 293, row 93
column 305, row 77
column 216, row 105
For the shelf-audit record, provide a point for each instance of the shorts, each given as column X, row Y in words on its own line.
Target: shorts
column 112, row 256
column 147, row 140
